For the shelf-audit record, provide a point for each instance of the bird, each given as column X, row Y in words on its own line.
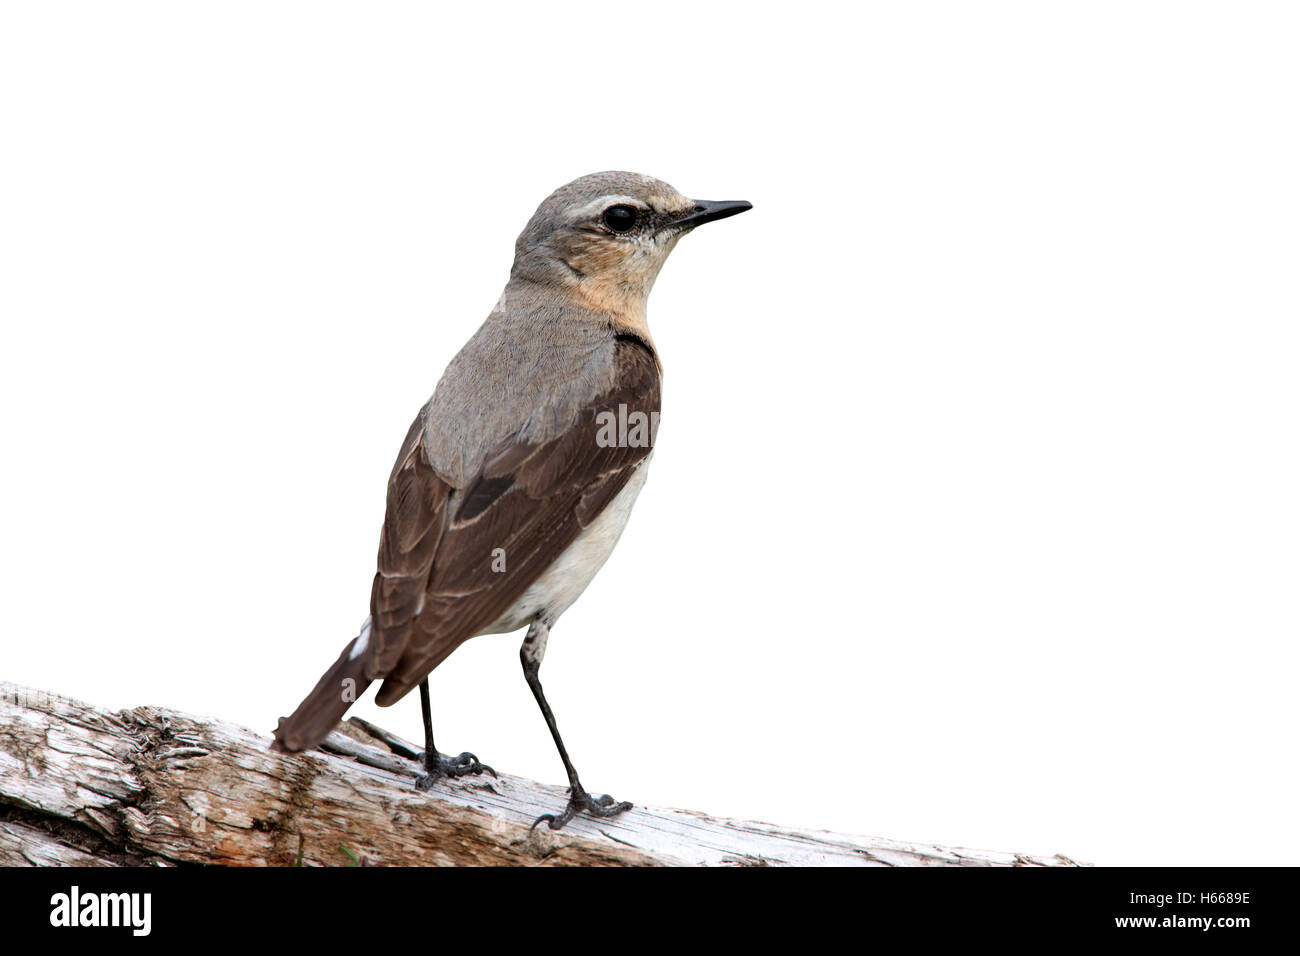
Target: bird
column 517, row 477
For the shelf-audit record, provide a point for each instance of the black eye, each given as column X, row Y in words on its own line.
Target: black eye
column 620, row 218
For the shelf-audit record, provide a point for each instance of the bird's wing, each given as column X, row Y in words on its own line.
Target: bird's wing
column 414, row 522
column 413, row 525
column 451, row 564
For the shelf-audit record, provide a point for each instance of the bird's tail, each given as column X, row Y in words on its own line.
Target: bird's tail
column 329, row 700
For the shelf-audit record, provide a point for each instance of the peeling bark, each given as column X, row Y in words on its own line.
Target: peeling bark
column 80, row 786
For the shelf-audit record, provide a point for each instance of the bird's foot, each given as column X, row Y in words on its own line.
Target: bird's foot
column 580, row 800
column 464, row 765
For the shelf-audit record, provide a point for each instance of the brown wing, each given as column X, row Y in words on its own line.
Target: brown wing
column 414, row 521
column 413, row 525
column 437, row 584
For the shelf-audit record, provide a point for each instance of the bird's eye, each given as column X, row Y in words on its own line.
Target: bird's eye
column 620, row 218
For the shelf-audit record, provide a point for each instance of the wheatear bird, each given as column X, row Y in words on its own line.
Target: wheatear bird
column 517, row 477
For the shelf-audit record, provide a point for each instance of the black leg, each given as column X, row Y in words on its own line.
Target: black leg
column 430, row 751
column 530, row 655
column 436, row 766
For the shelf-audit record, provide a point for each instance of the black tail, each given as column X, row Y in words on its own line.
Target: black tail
column 325, row 706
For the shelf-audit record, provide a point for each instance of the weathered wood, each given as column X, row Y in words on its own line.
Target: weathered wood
column 148, row 786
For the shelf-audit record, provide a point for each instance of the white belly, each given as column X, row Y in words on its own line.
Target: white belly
column 564, row 581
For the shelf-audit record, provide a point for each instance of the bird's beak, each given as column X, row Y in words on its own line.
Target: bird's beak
column 707, row 210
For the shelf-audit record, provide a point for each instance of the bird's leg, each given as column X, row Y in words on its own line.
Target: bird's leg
column 530, row 655
column 436, row 766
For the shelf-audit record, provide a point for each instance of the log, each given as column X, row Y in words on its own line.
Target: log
column 148, row 786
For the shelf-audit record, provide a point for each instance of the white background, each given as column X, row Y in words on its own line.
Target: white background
column 974, row 512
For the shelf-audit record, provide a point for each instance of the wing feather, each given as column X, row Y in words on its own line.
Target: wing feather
column 437, row 584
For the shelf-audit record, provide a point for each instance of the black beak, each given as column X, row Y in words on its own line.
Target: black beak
column 707, row 210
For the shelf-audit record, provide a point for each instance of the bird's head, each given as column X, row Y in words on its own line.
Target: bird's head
column 603, row 238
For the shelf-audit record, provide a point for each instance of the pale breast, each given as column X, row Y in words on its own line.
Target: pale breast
column 564, row 581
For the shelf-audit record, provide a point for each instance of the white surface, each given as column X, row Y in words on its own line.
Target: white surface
column 978, row 466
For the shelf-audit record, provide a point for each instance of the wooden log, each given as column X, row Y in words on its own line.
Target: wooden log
column 150, row 786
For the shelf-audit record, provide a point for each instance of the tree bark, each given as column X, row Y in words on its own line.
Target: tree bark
column 148, row 786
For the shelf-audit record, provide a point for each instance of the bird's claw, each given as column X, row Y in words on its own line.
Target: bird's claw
column 465, row 764
column 580, row 801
